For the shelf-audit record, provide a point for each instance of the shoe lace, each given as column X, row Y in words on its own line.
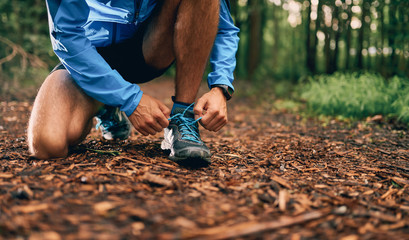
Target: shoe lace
column 188, row 127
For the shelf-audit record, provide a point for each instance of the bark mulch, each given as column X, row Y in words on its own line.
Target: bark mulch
column 274, row 175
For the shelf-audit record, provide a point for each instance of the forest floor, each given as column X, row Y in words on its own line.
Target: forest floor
column 274, row 175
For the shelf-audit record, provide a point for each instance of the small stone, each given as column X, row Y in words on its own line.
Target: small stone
column 341, row 210
column 84, row 179
column 20, row 194
column 137, row 227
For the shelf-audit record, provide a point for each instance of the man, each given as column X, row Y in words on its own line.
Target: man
column 106, row 47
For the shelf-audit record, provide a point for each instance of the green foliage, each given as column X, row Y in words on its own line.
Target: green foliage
column 355, row 95
column 401, row 104
column 25, row 24
column 24, row 45
column 105, row 152
column 287, row 105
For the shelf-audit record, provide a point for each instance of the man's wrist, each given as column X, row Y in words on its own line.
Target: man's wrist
column 219, row 91
column 225, row 90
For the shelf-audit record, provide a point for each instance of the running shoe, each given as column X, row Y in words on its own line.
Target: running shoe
column 182, row 138
column 113, row 124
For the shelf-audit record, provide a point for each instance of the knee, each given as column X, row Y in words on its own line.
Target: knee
column 47, row 146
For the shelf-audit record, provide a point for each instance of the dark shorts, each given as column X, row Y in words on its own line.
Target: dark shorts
column 127, row 58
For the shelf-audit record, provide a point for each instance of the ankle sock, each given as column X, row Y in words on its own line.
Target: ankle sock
column 182, row 105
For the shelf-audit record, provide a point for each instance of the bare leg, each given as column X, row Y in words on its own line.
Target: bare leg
column 183, row 30
column 61, row 117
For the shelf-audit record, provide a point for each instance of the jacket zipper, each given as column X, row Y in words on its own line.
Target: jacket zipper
column 137, row 6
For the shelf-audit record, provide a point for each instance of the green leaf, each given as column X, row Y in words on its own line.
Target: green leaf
column 107, row 152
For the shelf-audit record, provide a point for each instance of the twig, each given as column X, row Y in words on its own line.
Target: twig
column 152, row 178
column 113, row 153
column 281, row 181
column 85, row 164
column 398, row 167
column 6, row 175
column 34, row 60
column 132, row 160
column 114, row 173
column 244, row 229
column 345, row 201
column 10, row 56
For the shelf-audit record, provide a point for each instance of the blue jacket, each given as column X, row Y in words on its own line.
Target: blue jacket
column 78, row 26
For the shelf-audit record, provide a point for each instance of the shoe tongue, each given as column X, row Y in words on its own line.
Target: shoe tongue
column 188, row 113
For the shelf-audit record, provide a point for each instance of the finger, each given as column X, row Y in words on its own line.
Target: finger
column 219, row 120
column 199, row 107
column 134, row 123
column 212, row 125
column 222, row 121
column 147, row 128
column 163, row 123
column 162, row 120
column 209, row 117
column 163, row 116
column 155, row 125
column 220, row 126
column 141, row 131
column 151, row 131
column 165, row 110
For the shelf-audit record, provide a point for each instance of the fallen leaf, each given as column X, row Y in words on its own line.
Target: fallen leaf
column 102, row 208
column 31, row 208
column 6, row 175
column 152, row 178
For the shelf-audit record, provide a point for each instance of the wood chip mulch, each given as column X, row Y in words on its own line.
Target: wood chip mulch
column 273, row 176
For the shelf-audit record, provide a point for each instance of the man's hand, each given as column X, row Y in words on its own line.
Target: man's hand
column 213, row 110
column 151, row 116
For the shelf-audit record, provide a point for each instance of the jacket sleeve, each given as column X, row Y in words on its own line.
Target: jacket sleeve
column 86, row 66
column 223, row 55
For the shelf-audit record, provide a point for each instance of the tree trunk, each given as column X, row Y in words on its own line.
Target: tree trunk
column 402, row 24
column 336, row 20
column 255, row 36
column 327, row 49
column 361, row 36
column 309, row 57
column 391, row 38
column 276, row 32
column 327, row 46
column 381, row 42
column 314, row 44
column 348, row 38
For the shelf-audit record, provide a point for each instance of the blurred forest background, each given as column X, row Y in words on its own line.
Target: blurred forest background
column 289, row 39
column 284, row 41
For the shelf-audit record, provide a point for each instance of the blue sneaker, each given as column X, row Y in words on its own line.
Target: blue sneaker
column 113, row 123
column 182, row 138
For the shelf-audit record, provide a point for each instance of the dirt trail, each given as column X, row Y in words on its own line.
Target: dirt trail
column 273, row 176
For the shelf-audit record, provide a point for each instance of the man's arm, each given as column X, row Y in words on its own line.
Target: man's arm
column 86, row 66
column 223, row 63
column 223, row 55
